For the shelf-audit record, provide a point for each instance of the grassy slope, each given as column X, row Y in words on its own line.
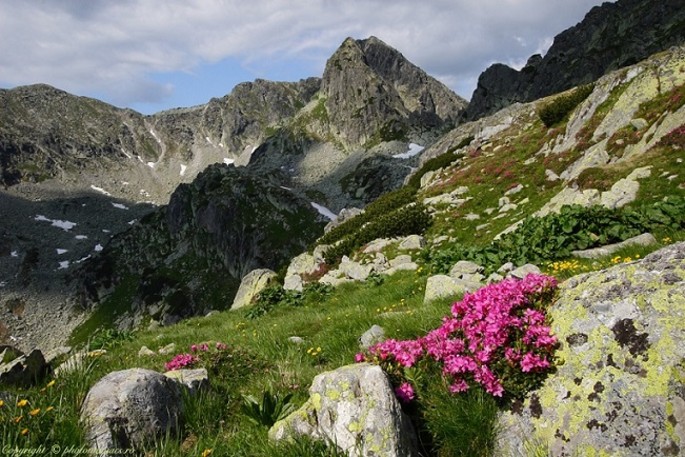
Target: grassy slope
column 262, row 358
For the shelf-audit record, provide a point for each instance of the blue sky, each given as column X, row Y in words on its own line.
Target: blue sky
column 152, row 55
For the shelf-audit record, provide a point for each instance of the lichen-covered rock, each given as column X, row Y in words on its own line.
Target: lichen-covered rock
column 641, row 240
column 251, row 285
column 131, row 409
column 441, row 286
column 620, row 386
column 293, row 282
column 303, row 264
column 355, row 408
column 193, row 379
column 354, row 270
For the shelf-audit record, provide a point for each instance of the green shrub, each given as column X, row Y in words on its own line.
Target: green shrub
column 556, row 110
column 382, row 205
column 408, row 220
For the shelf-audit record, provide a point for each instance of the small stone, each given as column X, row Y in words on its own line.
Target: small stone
column 168, row 349
column 401, row 259
column 293, row 282
column 194, row 379
column 514, row 190
column 524, row 270
column 296, row 340
column 146, row 352
column 412, row 242
column 639, row 123
column 464, row 267
column 372, row 336
column 506, row 268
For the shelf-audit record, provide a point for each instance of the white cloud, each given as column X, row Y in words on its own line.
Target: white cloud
column 116, row 49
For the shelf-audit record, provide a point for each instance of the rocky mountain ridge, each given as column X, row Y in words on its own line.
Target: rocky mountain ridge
column 124, row 161
column 611, row 36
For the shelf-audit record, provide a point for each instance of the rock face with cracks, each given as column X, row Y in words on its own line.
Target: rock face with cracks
column 620, row 385
column 355, row 408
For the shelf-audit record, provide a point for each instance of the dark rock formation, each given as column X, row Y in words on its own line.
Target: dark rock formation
column 611, row 36
column 193, row 252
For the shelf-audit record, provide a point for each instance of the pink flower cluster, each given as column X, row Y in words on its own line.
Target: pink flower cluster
column 188, row 360
column 498, row 323
column 181, row 361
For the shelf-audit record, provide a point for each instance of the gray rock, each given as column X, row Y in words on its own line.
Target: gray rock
column 293, row 282
column 251, row 285
column 494, row 277
column 441, row 286
column 146, row 352
column 412, row 242
column 332, row 279
column 645, row 239
column 344, row 215
column 411, row 266
column 503, row 201
column 168, row 349
column 514, row 190
column 505, row 268
column 354, row 270
column 551, row 175
column 372, row 336
column 131, row 409
column 378, row 245
column 524, row 270
column 296, row 340
column 303, row 264
column 193, row 380
column 24, row 370
column 401, row 259
column 622, row 338
column 320, row 252
column 464, row 267
column 355, row 408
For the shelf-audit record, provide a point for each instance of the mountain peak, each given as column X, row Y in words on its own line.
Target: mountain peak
column 387, row 95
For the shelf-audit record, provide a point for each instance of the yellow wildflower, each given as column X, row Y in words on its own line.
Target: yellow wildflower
column 18, row 419
column 22, row 403
column 34, row 412
column 49, row 408
column 2, row 403
column 206, row 452
column 51, row 383
column 25, row 432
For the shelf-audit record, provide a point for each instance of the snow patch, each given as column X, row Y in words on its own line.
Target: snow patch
column 151, row 165
column 63, row 265
column 324, row 211
column 81, row 237
column 14, row 254
column 64, row 225
column 414, row 149
column 119, row 205
column 61, row 251
column 285, row 188
column 98, row 247
column 101, row 190
column 129, row 156
column 183, row 169
column 3, row 283
column 83, row 259
column 152, row 132
column 106, row 231
column 131, row 222
column 228, row 161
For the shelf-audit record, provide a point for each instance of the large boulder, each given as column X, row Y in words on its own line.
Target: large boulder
column 620, row 386
column 130, row 410
column 251, row 285
column 442, row 286
column 355, row 408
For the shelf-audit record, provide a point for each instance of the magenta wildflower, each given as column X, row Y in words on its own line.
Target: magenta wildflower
column 181, row 361
column 405, row 392
column 497, row 322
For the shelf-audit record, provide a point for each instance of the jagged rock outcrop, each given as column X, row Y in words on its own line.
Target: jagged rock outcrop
column 619, row 390
column 372, row 93
column 195, row 250
column 611, row 36
column 355, row 408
